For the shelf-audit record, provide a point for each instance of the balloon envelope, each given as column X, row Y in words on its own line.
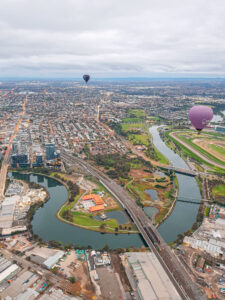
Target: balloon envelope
column 86, row 77
column 200, row 116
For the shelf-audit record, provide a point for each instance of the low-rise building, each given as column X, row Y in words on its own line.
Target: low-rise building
column 8, row 272
column 52, row 260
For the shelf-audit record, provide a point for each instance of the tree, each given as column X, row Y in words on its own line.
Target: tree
column 67, row 214
column 102, row 226
column 72, row 279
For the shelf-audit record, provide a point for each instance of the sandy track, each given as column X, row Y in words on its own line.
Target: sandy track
column 172, row 134
column 206, row 146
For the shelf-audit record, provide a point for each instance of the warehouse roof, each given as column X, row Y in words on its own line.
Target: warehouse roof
column 49, row 263
column 8, row 271
column 153, row 282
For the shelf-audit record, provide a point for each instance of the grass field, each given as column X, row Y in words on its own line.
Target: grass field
column 132, row 120
column 138, row 113
column 132, row 126
column 139, row 139
column 161, row 157
column 200, row 150
column 190, row 154
column 85, row 220
column 218, row 149
column 219, row 190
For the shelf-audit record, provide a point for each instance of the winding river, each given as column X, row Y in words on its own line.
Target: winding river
column 48, row 227
column 184, row 214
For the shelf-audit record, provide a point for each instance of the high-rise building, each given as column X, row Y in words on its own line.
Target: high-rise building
column 38, row 160
column 20, row 160
column 15, row 147
column 50, row 151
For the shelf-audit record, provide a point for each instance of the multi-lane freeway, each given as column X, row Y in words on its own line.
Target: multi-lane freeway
column 186, row 288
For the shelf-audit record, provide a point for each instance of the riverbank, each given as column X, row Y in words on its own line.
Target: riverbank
column 88, row 221
column 183, row 215
column 187, row 149
column 48, row 227
column 111, row 225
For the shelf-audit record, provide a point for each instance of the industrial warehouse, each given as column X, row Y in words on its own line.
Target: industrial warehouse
column 14, row 208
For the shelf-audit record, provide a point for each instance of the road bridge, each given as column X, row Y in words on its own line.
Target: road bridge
column 180, row 170
column 169, row 261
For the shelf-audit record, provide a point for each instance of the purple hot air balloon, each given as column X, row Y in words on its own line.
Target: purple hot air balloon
column 200, row 116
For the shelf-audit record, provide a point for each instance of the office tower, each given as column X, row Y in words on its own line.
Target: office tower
column 50, row 151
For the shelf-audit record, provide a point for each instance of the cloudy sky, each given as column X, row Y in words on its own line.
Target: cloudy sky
column 107, row 38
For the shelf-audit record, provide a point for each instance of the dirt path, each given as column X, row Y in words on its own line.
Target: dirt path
column 172, row 134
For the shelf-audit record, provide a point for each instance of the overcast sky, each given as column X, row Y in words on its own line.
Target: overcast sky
column 59, row 38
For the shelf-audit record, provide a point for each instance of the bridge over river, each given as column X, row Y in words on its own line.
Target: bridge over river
column 179, row 170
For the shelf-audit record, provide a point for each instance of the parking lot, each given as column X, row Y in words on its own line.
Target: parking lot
column 109, row 284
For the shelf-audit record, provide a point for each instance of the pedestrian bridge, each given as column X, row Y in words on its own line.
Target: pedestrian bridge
column 192, row 200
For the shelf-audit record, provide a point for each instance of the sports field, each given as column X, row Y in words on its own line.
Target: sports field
column 208, row 147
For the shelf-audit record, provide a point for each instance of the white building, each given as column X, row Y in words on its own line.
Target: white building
column 52, row 260
column 212, row 248
column 9, row 272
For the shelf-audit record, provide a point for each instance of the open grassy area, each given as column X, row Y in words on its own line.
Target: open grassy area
column 133, row 120
column 132, row 126
column 138, row 113
column 190, row 154
column 219, row 190
column 139, row 139
column 161, row 157
column 218, row 149
column 86, row 220
column 202, row 151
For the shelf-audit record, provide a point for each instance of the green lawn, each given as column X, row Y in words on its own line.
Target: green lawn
column 127, row 126
column 219, row 190
column 161, row 157
column 218, row 149
column 138, row 113
column 86, row 220
column 138, row 139
column 133, row 120
column 190, row 154
column 202, row 151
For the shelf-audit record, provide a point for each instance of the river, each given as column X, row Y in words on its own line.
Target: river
column 184, row 214
column 48, row 227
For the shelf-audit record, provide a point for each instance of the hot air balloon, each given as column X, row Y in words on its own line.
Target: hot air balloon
column 86, row 78
column 200, row 116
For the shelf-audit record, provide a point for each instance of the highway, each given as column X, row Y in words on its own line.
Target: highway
column 176, row 272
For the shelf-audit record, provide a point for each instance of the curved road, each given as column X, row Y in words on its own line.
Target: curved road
column 172, row 134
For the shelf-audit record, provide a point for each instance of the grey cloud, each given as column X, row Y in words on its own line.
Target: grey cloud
column 110, row 37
